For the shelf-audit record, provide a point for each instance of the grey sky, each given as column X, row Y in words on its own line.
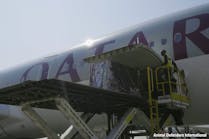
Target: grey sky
column 34, row 28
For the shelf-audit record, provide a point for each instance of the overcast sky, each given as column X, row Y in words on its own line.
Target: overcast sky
column 30, row 29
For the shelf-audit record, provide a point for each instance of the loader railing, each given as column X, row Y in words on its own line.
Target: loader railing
column 170, row 82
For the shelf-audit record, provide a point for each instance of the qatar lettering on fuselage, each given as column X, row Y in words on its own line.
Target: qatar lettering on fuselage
column 179, row 47
column 197, row 37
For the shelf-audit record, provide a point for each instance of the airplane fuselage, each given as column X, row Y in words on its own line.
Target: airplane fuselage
column 184, row 35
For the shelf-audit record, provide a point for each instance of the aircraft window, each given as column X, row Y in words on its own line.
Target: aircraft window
column 151, row 44
column 178, row 37
column 163, row 41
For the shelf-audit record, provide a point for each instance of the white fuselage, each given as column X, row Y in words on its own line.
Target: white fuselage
column 184, row 35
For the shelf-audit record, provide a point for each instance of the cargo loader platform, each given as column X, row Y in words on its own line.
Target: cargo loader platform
column 70, row 98
column 81, row 97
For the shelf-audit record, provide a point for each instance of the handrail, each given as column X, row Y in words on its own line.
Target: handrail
column 180, row 84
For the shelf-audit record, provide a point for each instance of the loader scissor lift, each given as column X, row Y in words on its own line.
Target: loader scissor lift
column 69, row 99
column 165, row 93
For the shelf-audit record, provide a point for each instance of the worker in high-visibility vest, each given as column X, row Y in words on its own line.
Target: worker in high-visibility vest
column 171, row 69
column 168, row 61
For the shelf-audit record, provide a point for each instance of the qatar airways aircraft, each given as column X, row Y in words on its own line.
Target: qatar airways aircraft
column 184, row 35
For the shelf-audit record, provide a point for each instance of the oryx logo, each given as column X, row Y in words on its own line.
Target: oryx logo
column 180, row 32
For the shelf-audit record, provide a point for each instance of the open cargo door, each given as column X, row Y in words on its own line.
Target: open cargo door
column 123, row 69
column 139, row 56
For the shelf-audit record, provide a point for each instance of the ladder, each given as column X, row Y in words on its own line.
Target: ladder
column 154, row 116
column 153, row 104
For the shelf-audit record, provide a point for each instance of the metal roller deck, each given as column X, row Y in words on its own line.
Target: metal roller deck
column 82, row 98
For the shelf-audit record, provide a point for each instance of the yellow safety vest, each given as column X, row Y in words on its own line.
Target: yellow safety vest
column 169, row 64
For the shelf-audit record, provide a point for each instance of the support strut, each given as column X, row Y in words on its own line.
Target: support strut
column 63, row 105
